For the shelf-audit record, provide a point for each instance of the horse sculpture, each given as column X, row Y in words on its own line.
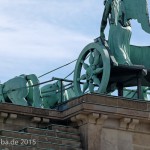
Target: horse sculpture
column 22, row 90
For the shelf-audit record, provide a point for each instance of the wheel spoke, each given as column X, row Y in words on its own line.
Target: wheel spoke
column 98, row 70
column 91, row 59
column 83, row 77
column 96, row 80
column 85, row 66
column 91, row 87
column 85, row 86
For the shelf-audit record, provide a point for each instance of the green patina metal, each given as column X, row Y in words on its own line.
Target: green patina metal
column 102, row 67
column 132, row 93
column 93, row 68
column 120, row 30
column 119, row 13
column 19, row 90
column 140, row 55
column 107, row 77
column 53, row 94
column 24, row 90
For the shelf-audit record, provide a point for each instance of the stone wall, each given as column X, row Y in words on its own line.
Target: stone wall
column 101, row 132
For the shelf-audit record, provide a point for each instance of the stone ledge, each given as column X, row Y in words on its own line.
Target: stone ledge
column 111, row 101
column 87, row 104
column 6, row 108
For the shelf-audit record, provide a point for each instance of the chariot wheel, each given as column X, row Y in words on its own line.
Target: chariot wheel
column 92, row 70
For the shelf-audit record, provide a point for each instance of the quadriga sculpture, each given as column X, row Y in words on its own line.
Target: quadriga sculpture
column 106, row 65
column 53, row 94
column 24, row 90
column 21, row 90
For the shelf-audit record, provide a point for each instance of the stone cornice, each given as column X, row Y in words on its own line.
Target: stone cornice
column 87, row 104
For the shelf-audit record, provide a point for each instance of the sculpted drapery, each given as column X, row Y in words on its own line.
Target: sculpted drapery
column 119, row 32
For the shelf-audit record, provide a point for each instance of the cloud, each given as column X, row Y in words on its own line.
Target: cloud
column 31, row 44
column 76, row 15
column 26, row 48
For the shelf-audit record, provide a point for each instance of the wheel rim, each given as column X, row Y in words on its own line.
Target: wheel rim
column 92, row 70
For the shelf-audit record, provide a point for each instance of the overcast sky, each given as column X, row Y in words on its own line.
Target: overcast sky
column 37, row 36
